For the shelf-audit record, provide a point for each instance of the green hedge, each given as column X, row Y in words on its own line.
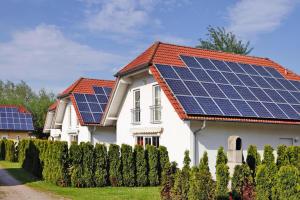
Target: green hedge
column 141, row 166
column 88, row 164
column 2, row 150
column 153, row 163
column 128, row 165
column 76, row 169
column 115, row 169
column 10, row 151
column 101, row 165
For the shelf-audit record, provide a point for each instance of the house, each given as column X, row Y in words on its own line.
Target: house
column 198, row 100
column 15, row 122
column 76, row 115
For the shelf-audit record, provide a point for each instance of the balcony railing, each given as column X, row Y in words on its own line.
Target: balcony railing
column 155, row 114
column 135, row 116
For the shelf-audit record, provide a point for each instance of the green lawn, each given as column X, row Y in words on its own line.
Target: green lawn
column 115, row 193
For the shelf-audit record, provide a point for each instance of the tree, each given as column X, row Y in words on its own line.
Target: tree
column 253, row 159
column 101, row 163
column 128, row 165
column 242, row 182
column 282, row 156
column 221, row 40
column 168, row 180
column 115, row 170
column 141, row 166
column 222, row 175
column 153, row 164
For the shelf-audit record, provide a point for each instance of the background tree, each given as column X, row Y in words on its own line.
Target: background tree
column 221, row 40
column 22, row 94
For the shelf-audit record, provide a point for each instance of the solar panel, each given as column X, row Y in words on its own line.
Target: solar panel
column 11, row 118
column 98, row 90
column 107, row 90
column 215, row 87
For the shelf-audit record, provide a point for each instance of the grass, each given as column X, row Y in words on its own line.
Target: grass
column 114, row 193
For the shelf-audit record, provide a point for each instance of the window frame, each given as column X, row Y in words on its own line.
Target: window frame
column 136, row 110
column 147, row 137
column 156, row 107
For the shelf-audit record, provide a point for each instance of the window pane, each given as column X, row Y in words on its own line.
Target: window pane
column 155, row 141
column 140, row 141
column 147, row 141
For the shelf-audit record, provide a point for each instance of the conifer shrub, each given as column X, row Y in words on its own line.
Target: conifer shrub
column 10, row 150
column 115, row 170
column 128, row 165
column 221, row 157
column 101, row 165
column 88, row 164
column 141, row 166
column 282, row 156
column 242, row 182
column 253, row 159
column 153, row 164
column 76, row 169
column 22, row 146
column 222, row 175
column 2, row 149
column 287, row 184
column 163, row 160
column 202, row 186
column 294, row 156
column 168, row 179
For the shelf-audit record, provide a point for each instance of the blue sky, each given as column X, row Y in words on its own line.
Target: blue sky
column 51, row 43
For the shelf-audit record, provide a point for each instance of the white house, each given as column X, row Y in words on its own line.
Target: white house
column 76, row 115
column 198, row 100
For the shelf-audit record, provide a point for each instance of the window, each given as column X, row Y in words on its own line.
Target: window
column 74, row 139
column 156, row 107
column 70, row 116
column 286, row 141
column 136, row 111
column 147, row 140
column 238, row 144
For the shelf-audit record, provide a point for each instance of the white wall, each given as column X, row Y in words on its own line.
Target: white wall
column 85, row 133
column 216, row 134
column 176, row 135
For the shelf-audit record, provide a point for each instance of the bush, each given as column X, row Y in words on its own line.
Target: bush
column 241, row 181
column 163, row 160
column 202, row 187
column 141, row 166
column 115, row 170
column 101, row 165
column 88, row 164
column 222, row 175
column 282, row 156
column 287, row 184
column 253, row 159
column 153, row 164
column 186, row 160
column 10, row 150
column 293, row 153
column 128, row 165
column 168, row 174
column 76, row 169
column 2, row 149
column 221, row 157
column 269, row 158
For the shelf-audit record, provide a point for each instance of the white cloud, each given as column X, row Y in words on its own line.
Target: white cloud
column 45, row 56
column 249, row 18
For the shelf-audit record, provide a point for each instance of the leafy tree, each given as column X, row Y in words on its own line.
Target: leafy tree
column 36, row 102
column 203, row 166
column 221, row 40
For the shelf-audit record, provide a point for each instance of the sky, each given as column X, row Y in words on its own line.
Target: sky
column 51, row 43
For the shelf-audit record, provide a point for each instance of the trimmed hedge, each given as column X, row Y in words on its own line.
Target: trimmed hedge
column 10, row 151
column 101, row 165
column 115, row 170
column 153, row 164
column 141, row 166
column 163, row 160
column 76, row 168
column 2, row 150
column 128, row 165
column 88, row 164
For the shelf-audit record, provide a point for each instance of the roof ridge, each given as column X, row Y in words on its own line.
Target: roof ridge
column 216, row 51
column 97, row 79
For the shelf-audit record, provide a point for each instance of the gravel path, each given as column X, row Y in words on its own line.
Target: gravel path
column 12, row 189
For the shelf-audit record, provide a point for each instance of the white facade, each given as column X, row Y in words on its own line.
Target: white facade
column 178, row 135
column 70, row 129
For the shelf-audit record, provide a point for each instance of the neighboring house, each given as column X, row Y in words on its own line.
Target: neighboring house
column 15, row 122
column 76, row 115
column 198, row 100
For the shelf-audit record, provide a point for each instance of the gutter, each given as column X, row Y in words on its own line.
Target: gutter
column 195, row 139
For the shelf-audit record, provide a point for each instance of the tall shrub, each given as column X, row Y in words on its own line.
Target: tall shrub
column 101, row 165
column 2, row 150
column 287, row 184
column 115, row 170
column 141, row 166
column 282, row 156
column 202, row 187
column 10, row 150
column 222, row 175
column 153, row 164
column 128, row 165
column 242, row 181
column 168, row 174
column 294, row 155
column 22, row 146
column 88, row 164
column 163, row 160
column 253, row 159
column 221, row 157
column 76, row 170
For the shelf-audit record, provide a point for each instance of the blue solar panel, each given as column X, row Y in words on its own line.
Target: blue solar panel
column 177, row 87
column 107, row 90
column 83, row 107
column 206, row 64
column 95, row 107
column 235, row 67
column 296, row 84
column 232, row 78
column 190, row 105
column 166, row 71
column 289, row 111
column 201, row 75
column 98, row 90
column 261, row 82
column 190, row 62
column 230, row 92
column 275, row 96
column 101, row 98
column 288, row 97
column 247, row 80
column 274, row 83
column 213, row 90
column 196, row 88
column 274, row 72
column 296, row 95
column 261, row 71
column 217, row 76
column 260, row 110
column 248, row 69
column 245, row 93
column 184, row 73
column 91, row 98
column 79, row 97
column 227, row 108
column 220, row 65
column 287, row 84
column 209, row 106
column 87, row 117
column 244, row 108
column 260, row 94
column 275, row 110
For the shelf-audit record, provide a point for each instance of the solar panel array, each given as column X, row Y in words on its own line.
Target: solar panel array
column 92, row 106
column 231, row 89
column 12, row 119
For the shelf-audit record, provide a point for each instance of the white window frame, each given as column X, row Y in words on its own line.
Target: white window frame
column 146, row 137
column 70, row 116
column 155, row 109
column 136, row 111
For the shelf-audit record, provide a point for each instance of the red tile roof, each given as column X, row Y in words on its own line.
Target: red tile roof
column 20, row 108
column 53, row 106
column 83, row 86
column 168, row 54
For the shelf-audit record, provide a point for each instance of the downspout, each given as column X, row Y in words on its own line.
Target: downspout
column 195, row 139
column 91, row 135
